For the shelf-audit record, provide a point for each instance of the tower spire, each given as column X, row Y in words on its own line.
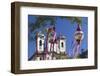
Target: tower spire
column 78, row 28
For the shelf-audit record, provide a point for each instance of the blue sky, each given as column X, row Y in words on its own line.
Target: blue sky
column 65, row 27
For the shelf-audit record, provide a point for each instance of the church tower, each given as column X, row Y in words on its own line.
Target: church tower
column 40, row 42
column 62, row 44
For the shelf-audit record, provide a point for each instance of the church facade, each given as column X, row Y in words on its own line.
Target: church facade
column 46, row 49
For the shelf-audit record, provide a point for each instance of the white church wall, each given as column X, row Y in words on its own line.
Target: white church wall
column 55, row 47
column 40, row 48
column 58, row 49
column 49, row 46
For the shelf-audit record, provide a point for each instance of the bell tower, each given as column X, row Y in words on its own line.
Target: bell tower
column 40, row 42
column 62, row 44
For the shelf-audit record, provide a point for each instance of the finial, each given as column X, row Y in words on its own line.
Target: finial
column 78, row 28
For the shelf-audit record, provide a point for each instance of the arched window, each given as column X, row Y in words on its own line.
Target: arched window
column 40, row 43
column 62, row 44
